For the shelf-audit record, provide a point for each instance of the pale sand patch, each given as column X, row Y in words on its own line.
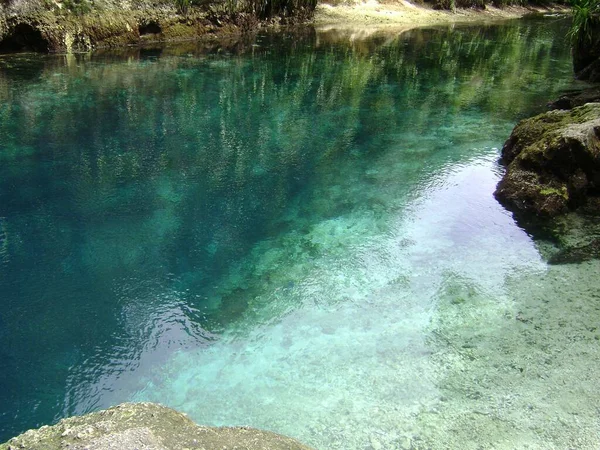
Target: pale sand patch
column 403, row 14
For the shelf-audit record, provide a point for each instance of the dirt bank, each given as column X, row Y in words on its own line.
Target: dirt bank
column 403, row 14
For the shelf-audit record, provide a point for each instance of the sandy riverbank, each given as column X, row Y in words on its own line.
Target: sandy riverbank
column 403, row 14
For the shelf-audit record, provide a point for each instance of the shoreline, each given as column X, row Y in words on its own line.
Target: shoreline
column 36, row 28
column 367, row 17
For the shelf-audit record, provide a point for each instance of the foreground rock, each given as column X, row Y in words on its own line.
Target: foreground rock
column 145, row 426
column 552, row 163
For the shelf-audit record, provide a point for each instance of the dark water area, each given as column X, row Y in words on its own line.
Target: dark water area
column 158, row 201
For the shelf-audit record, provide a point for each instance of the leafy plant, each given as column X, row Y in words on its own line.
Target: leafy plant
column 585, row 17
column 183, row 5
column 78, row 7
column 240, row 10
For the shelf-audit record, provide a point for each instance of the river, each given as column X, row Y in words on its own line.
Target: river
column 295, row 232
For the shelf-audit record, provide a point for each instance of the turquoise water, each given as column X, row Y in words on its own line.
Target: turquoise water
column 294, row 232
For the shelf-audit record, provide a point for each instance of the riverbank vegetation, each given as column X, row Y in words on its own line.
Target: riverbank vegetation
column 585, row 39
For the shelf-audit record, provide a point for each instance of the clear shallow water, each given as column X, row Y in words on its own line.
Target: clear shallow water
column 295, row 233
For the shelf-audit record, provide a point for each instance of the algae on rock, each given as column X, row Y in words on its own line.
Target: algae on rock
column 38, row 25
column 553, row 162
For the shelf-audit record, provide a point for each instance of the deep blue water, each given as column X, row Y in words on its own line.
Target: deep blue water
column 157, row 202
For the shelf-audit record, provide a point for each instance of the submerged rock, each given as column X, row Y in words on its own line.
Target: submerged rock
column 145, row 426
column 552, row 162
column 575, row 255
column 574, row 238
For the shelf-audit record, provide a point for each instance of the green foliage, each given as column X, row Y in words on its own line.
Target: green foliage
column 504, row 3
column 183, row 5
column 445, row 4
column 481, row 4
column 224, row 8
column 261, row 9
column 271, row 8
column 78, row 7
column 585, row 18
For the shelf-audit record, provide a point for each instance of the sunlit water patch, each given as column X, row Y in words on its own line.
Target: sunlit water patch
column 352, row 357
column 296, row 233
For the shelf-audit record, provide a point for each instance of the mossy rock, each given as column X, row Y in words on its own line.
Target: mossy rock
column 553, row 162
column 145, row 426
column 49, row 26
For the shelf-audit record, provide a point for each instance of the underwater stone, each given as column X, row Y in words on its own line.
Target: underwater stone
column 575, row 255
column 145, row 426
column 553, row 162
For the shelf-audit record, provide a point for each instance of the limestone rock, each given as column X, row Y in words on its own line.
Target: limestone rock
column 553, row 162
column 145, row 426
column 50, row 26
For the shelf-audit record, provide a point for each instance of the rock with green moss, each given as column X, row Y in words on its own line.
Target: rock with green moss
column 75, row 26
column 145, row 426
column 552, row 162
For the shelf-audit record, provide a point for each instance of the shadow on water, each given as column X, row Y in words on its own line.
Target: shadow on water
column 135, row 185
